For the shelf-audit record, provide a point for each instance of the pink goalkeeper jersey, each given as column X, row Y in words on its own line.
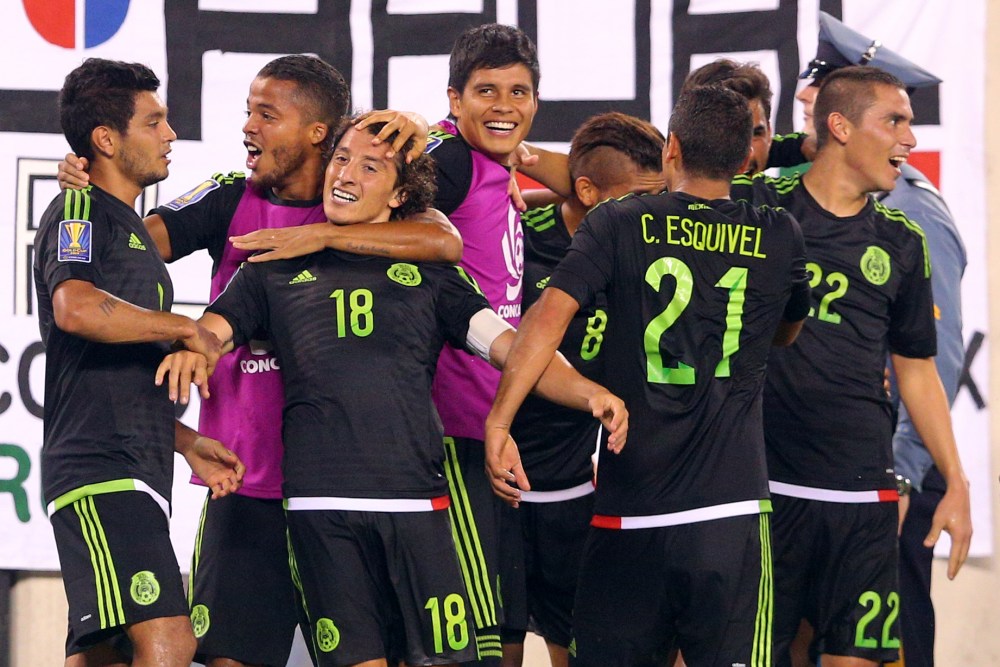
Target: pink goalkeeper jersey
column 464, row 386
column 244, row 411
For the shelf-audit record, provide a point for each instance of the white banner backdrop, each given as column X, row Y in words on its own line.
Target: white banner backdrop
column 595, row 55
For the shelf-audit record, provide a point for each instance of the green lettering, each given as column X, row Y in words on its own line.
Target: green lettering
column 15, row 485
column 671, row 228
column 756, row 245
column 686, row 229
column 645, row 218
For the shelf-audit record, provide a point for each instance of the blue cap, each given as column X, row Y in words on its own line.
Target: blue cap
column 840, row 46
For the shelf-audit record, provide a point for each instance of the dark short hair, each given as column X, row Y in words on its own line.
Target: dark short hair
column 636, row 139
column 101, row 92
column 321, row 91
column 713, row 126
column 747, row 79
column 849, row 91
column 416, row 180
column 491, row 46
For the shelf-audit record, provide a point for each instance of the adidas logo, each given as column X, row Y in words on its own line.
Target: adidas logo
column 135, row 243
column 304, row 277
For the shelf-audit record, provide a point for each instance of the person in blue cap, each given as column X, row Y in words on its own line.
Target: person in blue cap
column 921, row 484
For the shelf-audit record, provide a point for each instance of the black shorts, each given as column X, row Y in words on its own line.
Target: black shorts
column 539, row 565
column 475, row 516
column 243, row 604
column 118, row 566
column 835, row 565
column 381, row 584
column 702, row 587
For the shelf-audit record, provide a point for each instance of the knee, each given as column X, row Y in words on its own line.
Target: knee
column 163, row 642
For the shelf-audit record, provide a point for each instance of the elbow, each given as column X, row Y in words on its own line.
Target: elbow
column 69, row 318
column 787, row 333
column 452, row 248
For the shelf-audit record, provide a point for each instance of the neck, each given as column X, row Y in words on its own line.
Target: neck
column 307, row 183
column 104, row 175
column 700, row 186
column 573, row 211
column 834, row 186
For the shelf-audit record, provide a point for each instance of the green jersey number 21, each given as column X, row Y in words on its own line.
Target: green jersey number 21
column 734, row 281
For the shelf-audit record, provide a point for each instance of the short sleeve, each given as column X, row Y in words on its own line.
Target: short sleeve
column 244, row 303
column 453, row 164
column 72, row 240
column 911, row 324
column 797, row 308
column 587, row 268
column 458, row 300
column 200, row 218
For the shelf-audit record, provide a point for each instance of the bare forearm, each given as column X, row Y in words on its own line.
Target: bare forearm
column 425, row 240
column 91, row 313
column 923, row 395
column 184, row 438
column 551, row 170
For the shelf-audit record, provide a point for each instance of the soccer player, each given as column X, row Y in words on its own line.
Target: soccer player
column 748, row 80
column 698, row 288
column 611, row 155
column 104, row 298
column 357, row 339
column 914, row 195
column 241, row 596
column 827, row 418
column 493, row 97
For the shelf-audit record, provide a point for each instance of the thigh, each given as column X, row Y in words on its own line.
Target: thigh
column 475, row 516
column 621, row 614
column 555, row 536
column 241, row 595
column 725, row 617
column 427, row 587
column 340, row 565
column 856, row 592
column 117, row 564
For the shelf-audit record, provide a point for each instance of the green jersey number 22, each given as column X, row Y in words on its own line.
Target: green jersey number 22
column 734, row 281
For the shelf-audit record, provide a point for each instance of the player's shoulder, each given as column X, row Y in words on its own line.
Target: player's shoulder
column 218, row 182
column 895, row 222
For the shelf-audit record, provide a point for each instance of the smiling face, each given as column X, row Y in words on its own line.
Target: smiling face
column 881, row 141
column 144, row 147
column 281, row 142
column 360, row 183
column 495, row 109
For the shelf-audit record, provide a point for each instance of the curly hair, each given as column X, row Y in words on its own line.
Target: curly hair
column 416, row 180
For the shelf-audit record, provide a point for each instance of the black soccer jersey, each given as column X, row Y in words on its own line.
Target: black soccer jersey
column 556, row 442
column 827, row 418
column 357, row 339
column 696, row 289
column 104, row 418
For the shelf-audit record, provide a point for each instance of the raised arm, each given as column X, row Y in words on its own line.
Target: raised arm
column 424, row 237
column 549, row 168
column 921, row 391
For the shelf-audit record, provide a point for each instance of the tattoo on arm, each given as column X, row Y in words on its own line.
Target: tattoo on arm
column 108, row 305
column 366, row 249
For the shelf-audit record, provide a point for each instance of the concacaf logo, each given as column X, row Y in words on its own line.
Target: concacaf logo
column 145, row 589
column 875, row 265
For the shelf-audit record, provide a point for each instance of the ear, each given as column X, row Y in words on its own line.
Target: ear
column 318, row 132
column 104, row 139
column 586, row 191
column 671, row 150
column 745, row 166
column 454, row 102
column 399, row 197
column 839, row 126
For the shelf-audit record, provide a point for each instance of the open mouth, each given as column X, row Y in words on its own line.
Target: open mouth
column 505, row 127
column 341, row 195
column 253, row 155
column 897, row 161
